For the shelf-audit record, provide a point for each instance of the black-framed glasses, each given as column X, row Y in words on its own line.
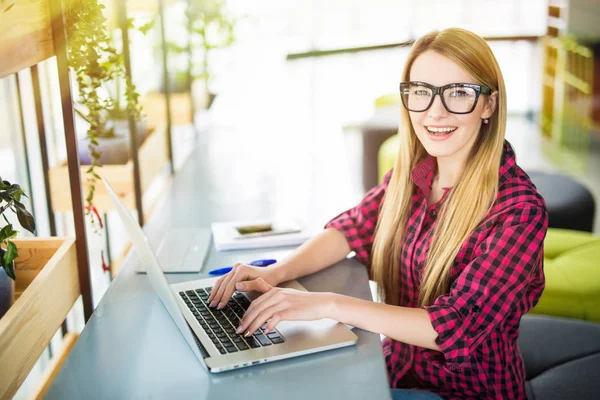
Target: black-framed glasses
column 457, row 98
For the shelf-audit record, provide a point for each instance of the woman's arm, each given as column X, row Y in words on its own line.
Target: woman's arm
column 404, row 324
column 408, row 325
column 318, row 253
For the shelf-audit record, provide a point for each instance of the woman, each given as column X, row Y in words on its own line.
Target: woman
column 453, row 237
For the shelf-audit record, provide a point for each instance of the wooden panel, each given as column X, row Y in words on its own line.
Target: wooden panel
column 554, row 11
column 155, row 108
column 552, row 31
column 55, row 365
column 119, row 176
column 26, row 31
column 152, row 156
column 28, row 326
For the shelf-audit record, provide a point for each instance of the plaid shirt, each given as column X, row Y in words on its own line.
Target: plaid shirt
column 497, row 277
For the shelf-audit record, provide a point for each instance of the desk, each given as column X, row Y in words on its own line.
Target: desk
column 130, row 348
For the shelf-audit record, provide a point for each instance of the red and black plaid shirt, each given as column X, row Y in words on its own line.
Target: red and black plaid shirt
column 496, row 278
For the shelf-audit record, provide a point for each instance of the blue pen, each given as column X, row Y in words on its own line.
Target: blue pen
column 256, row 263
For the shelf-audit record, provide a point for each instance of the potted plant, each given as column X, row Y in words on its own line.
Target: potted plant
column 212, row 26
column 98, row 68
column 10, row 200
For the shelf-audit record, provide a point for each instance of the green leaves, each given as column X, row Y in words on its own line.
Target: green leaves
column 11, row 192
column 10, row 253
column 25, row 218
column 98, row 67
column 144, row 28
column 7, row 233
column 7, row 259
column 10, row 196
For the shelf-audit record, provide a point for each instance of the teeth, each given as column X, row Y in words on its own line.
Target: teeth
column 441, row 130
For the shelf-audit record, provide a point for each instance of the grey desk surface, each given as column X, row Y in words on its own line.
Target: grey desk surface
column 131, row 349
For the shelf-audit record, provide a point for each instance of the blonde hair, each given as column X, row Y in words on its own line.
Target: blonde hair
column 468, row 201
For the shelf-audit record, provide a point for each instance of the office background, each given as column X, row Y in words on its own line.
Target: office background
column 293, row 92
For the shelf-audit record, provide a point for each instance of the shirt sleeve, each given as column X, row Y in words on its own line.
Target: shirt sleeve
column 358, row 223
column 504, row 280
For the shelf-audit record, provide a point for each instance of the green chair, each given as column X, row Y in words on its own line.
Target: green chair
column 571, row 262
column 386, row 156
column 572, row 269
column 392, row 99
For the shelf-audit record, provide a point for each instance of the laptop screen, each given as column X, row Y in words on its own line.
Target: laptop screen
column 153, row 270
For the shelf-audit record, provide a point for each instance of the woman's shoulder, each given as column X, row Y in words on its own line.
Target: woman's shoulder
column 517, row 197
column 518, row 188
column 515, row 186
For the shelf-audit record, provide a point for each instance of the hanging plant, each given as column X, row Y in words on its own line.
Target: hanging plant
column 98, row 68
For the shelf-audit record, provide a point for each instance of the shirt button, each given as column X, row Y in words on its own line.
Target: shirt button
column 432, row 213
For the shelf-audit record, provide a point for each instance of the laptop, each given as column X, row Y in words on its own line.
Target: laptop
column 182, row 250
column 210, row 333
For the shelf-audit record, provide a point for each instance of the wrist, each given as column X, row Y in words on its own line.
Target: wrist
column 276, row 274
column 334, row 306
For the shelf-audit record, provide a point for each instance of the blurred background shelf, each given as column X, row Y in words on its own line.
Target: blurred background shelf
column 155, row 105
column 153, row 158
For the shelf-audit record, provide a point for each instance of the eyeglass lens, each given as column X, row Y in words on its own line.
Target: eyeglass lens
column 458, row 99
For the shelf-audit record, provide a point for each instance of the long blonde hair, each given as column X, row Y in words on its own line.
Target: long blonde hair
column 468, row 201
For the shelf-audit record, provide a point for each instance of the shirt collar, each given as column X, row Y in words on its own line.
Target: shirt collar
column 422, row 172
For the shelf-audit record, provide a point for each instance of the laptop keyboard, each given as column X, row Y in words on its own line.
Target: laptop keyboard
column 220, row 325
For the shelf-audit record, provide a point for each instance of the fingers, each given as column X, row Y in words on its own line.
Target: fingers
column 275, row 319
column 271, row 313
column 215, row 288
column 257, row 306
column 221, row 286
column 257, row 285
column 258, row 303
column 218, row 292
column 240, row 274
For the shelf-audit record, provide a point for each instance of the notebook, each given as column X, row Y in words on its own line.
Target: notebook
column 258, row 233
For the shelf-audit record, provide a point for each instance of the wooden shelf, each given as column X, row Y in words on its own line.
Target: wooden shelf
column 153, row 158
column 47, row 286
column 26, row 36
column 155, row 107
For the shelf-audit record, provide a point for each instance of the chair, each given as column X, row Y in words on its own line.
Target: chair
column 570, row 204
column 562, row 357
column 383, row 124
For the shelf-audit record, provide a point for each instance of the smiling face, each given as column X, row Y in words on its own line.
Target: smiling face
column 442, row 133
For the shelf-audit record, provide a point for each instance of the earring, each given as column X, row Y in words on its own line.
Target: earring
column 485, row 121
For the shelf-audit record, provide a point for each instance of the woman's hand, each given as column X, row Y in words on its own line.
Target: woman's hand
column 279, row 304
column 225, row 285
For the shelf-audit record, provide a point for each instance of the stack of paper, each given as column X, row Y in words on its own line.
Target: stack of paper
column 226, row 235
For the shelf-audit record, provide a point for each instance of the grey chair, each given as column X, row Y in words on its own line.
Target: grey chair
column 562, row 358
column 570, row 204
column 382, row 124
